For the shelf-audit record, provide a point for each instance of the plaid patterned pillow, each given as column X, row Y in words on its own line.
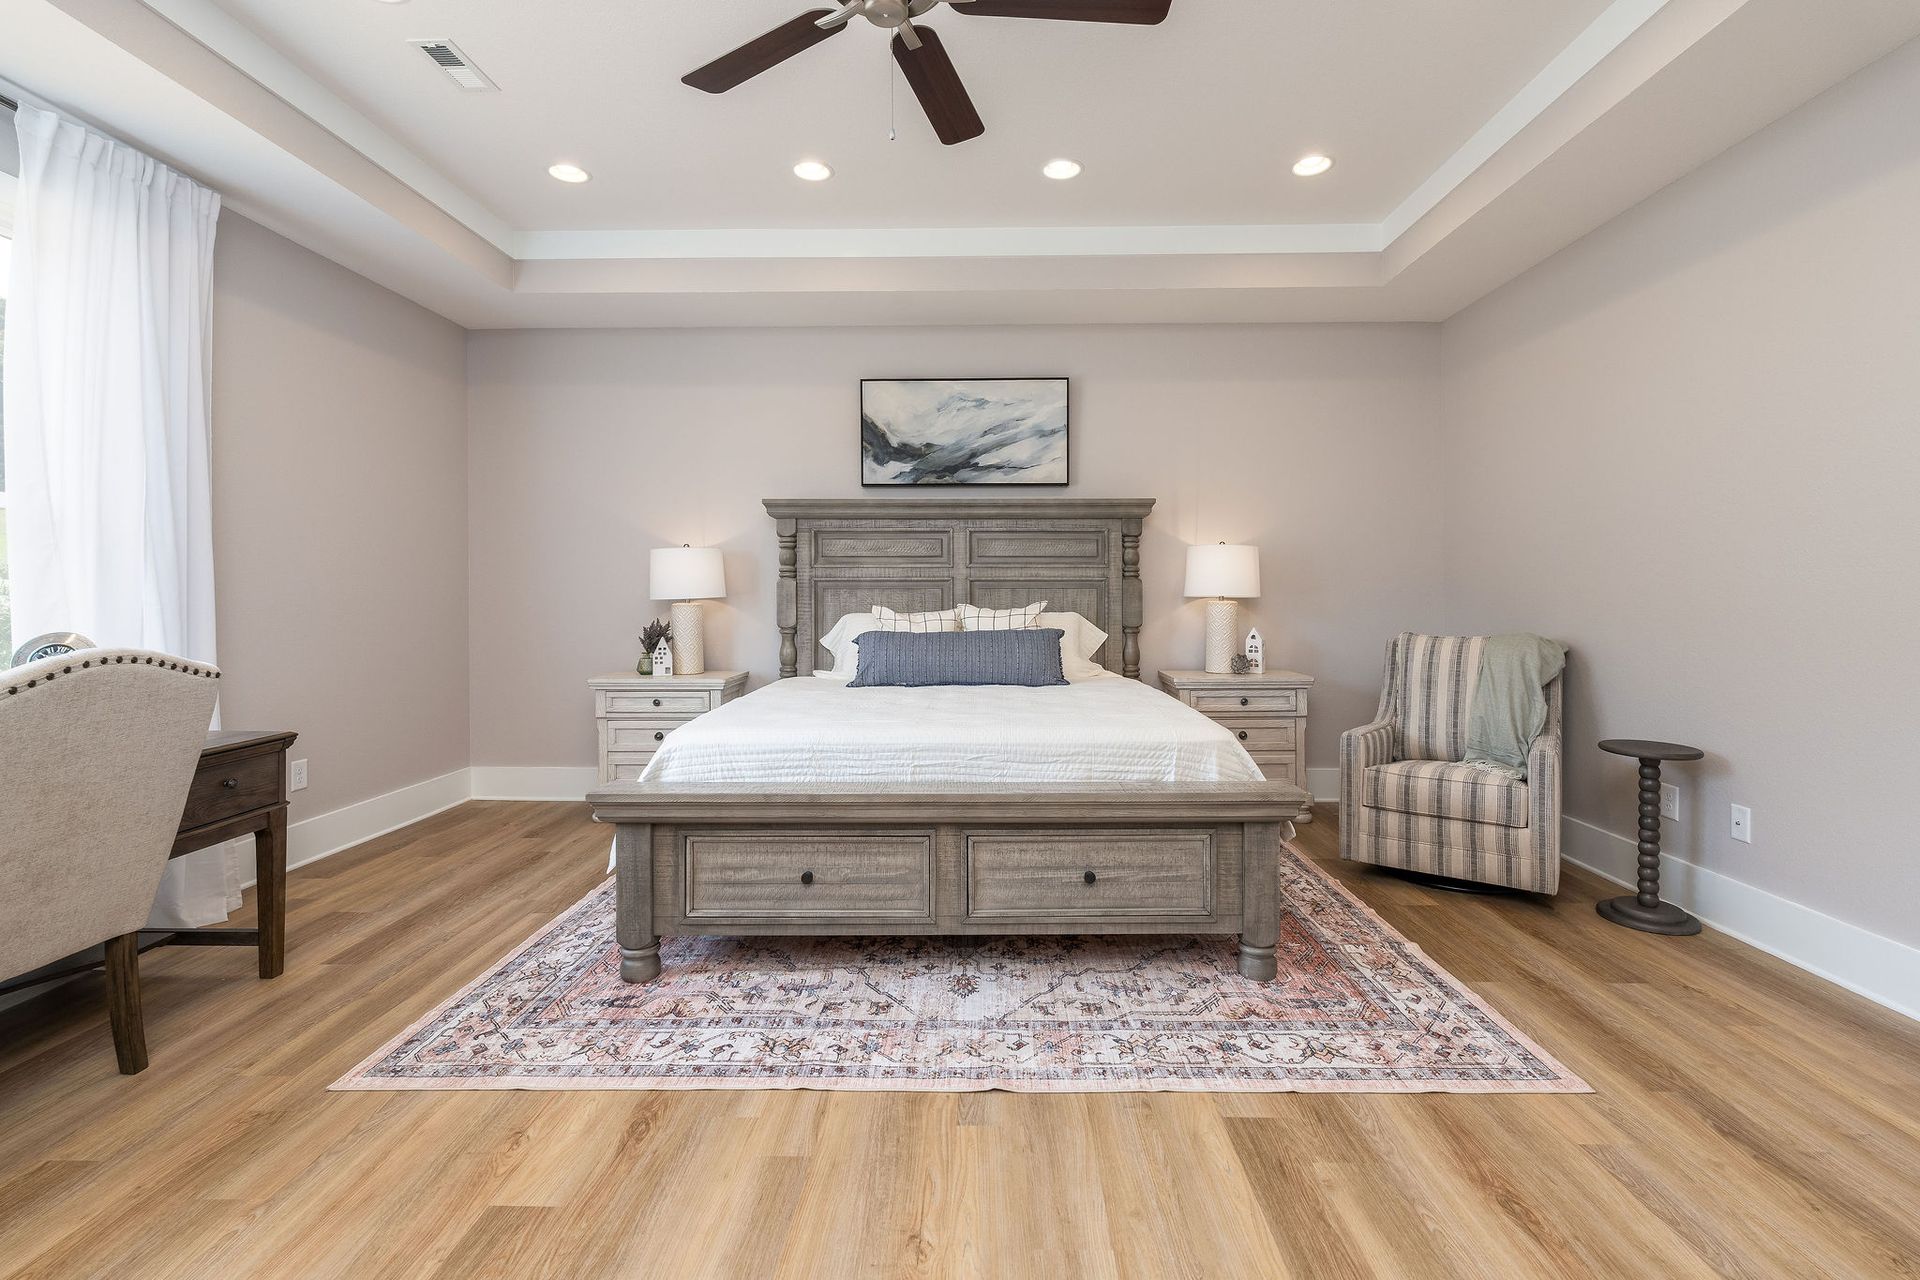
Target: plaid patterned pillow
column 917, row 623
column 1026, row 617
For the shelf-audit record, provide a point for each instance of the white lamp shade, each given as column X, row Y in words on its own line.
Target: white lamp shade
column 686, row 573
column 1222, row 570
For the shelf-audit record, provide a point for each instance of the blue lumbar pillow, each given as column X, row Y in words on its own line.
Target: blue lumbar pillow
column 1029, row 657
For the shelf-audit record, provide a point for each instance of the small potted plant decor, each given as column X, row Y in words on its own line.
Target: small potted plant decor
column 652, row 636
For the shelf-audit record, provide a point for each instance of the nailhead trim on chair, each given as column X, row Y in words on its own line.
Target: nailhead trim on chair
column 186, row 667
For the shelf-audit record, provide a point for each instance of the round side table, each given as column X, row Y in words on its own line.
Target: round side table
column 1644, row 910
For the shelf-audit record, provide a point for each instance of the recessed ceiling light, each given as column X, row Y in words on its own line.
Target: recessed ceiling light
column 1312, row 166
column 393, row 1
column 812, row 171
column 1061, row 170
column 568, row 172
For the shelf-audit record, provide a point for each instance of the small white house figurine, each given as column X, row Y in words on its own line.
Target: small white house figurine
column 1256, row 661
column 663, row 659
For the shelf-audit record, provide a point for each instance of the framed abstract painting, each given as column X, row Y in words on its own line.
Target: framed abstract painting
column 947, row 431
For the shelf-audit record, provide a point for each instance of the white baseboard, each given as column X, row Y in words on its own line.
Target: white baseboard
column 1881, row 969
column 515, row 782
column 1324, row 784
column 324, row 834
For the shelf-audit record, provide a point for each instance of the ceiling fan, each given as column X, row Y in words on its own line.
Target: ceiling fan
column 917, row 48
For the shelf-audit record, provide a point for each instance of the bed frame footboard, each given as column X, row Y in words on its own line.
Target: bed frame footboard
column 947, row 859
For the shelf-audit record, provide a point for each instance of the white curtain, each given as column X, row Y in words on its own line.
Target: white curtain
column 110, row 510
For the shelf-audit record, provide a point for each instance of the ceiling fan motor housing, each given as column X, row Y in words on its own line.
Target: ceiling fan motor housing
column 891, row 13
column 917, row 50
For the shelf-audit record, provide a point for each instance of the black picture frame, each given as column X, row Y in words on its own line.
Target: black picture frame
column 1066, row 437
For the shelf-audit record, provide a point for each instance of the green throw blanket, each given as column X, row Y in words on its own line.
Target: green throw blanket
column 1510, row 701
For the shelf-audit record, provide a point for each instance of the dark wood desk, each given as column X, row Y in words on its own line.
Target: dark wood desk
column 240, row 789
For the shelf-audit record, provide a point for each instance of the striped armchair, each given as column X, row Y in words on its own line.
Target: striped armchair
column 1406, row 801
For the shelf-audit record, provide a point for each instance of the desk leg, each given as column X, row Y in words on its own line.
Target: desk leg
column 270, row 895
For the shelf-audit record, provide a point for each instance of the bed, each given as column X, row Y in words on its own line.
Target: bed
column 808, row 807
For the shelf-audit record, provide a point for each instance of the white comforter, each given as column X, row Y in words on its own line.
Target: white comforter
column 809, row 729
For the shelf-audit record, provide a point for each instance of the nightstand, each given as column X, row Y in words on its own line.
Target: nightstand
column 1267, row 712
column 636, row 713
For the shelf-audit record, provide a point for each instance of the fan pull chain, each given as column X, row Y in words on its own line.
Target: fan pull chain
column 892, row 81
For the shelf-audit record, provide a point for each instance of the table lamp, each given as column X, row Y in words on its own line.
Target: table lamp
column 1226, row 573
column 686, row 576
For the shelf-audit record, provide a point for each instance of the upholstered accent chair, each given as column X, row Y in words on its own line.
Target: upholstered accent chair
column 1407, row 801
column 98, row 748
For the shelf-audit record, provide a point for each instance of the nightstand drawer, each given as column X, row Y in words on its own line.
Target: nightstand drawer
column 625, row 766
column 628, row 702
column 1283, row 700
column 1280, row 766
column 1259, row 736
column 225, row 788
column 642, row 735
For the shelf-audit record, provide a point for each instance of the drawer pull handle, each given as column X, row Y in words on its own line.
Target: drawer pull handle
column 1090, row 877
column 231, row 783
column 656, row 702
column 1243, row 735
column 806, row 877
column 1243, row 702
column 660, row 735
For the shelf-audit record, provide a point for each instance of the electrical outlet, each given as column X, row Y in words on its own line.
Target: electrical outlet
column 297, row 776
column 1669, row 801
column 1742, row 824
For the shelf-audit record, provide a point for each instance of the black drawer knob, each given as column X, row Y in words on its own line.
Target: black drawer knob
column 1243, row 701
column 231, row 783
column 660, row 735
column 1090, row 877
column 656, row 702
column 806, row 877
column 1243, row 735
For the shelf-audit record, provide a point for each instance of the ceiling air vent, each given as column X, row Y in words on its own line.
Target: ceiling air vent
column 459, row 68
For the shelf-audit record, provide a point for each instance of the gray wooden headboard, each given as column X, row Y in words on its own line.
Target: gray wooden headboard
column 845, row 555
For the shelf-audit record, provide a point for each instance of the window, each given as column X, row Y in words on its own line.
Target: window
column 6, row 584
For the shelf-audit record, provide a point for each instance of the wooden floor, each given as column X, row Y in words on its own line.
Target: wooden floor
column 1749, row 1120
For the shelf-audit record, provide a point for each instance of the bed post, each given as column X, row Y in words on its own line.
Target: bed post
column 1260, row 901
column 1130, row 606
column 633, row 903
column 787, row 603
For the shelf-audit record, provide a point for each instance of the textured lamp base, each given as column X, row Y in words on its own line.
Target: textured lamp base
column 689, row 639
column 1221, row 616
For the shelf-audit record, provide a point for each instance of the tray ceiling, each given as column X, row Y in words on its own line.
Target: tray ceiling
column 1195, row 121
column 1471, row 139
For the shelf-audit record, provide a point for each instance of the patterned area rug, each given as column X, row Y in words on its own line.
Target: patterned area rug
column 1357, row 1009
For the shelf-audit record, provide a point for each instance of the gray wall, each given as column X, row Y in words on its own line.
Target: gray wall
column 589, row 447
column 339, row 523
column 1688, row 445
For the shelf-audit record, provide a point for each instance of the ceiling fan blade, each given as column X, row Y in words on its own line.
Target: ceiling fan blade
column 1143, row 12
column 769, row 50
column 929, row 71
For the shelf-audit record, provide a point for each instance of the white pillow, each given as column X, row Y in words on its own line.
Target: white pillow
column 934, row 620
column 1079, row 641
column 839, row 643
column 974, row 618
